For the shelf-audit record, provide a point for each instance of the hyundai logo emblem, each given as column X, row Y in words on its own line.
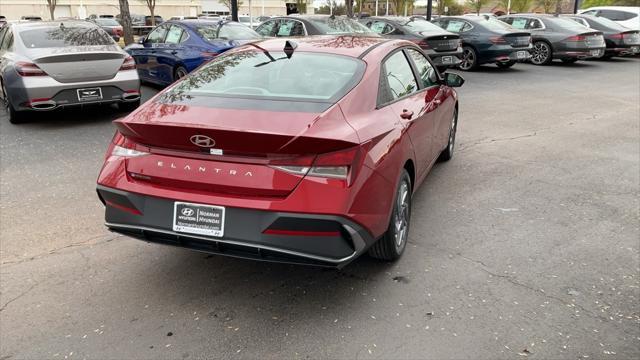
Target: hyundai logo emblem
column 203, row 141
column 187, row 212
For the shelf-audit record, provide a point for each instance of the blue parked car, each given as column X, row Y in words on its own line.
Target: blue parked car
column 175, row 48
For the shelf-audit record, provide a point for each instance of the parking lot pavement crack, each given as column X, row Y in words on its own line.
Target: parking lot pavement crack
column 19, row 296
column 513, row 281
column 87, row 242
column 464, row 147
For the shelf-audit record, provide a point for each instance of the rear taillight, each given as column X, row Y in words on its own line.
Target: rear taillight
column 123, row 147
column 128, row 64
column 342, row 165
column 421, row 42
column 29, row 69
column 576, row 38
column 497, row 40
column 617, row 36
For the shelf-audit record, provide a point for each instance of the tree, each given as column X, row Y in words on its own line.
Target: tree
column 476, row 5
column 349, row 7
column 301, row 5
column 547, row 5
column 151, row 4
column 558, row 7
column 52, row 7
column 125, row 21
column 227, row 3
column 521, row 6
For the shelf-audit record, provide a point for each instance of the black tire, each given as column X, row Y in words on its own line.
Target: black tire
column 469, row 59
column 569, row 60
column 15, row 117
column 179, row 73
column 506, row 64
column 542, row 53
column 389, row 247
column 447, row 153
column 129, row 106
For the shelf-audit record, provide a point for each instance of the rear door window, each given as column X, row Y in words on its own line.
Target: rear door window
column 617, row 15
column 174, row 35
column 157, row 35
column 398, row 80
column 534, row 24
column 458, row 26
column 519, row 23
column 380, row 27
column 290, row 28
column 268, row 28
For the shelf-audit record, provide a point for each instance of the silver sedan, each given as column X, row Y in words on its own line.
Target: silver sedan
column 48, row 65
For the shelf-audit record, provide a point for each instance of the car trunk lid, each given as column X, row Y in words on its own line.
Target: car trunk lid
column 80, row 64
column 447, row 42
column 518, row 39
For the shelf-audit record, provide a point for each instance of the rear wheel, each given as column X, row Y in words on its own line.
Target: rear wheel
column 469, row 59
column 542, row 53
column 506, row 64
column 179, row 73
column 447, row 153
column 15, row 117
column 569, row 60
column 392, row 244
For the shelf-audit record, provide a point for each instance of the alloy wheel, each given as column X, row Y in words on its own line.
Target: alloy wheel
column 540, row 53
column 401, row 221
column 468, row 59
column 180, row 73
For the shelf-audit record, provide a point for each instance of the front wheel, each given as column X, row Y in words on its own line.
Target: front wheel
column 506, row 64
column 392, row 244
column 542, row 53
column 15, row 117
column 469, row 59
column 179, row 73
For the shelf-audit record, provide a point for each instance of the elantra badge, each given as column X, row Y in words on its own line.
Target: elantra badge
column 203, row 141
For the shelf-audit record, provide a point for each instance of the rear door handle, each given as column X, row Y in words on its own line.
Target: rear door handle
column 406, row 114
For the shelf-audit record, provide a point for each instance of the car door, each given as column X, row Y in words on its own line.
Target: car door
column 400, row 91
column 149, row 54
column 170, row 53
column 437, row 106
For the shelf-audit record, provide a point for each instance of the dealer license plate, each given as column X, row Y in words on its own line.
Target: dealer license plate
column 447, row 60
column 521, row 54
column 89, row 94
column 198, row 219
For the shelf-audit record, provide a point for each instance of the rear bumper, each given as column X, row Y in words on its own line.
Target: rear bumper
column 444, row 59
column 623, row 51
column 503, row 53
column 587, row 53
column 150, row 219
column 51, row 94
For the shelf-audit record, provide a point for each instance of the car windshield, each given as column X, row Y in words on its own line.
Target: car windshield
column 271, row 75
column 419, row 25
column 107, row 22
column 495, row 24
column 340, row 25
column 63, row 36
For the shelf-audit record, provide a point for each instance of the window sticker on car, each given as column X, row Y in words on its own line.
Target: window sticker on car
column 378, row 27
column 519, row 23
column 285, row 28
column 455, row 26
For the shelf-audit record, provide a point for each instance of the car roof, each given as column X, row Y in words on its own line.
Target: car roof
column 347, row 45
column 51, row 23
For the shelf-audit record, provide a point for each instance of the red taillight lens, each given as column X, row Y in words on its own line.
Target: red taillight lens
column 29, row 69
column 497, row 40
column 128, row 64
column 576, row 38
column 118, row 31
column 617, row 36
column 421, row 42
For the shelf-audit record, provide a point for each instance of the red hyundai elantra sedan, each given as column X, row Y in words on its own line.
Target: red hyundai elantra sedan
column 303, row 151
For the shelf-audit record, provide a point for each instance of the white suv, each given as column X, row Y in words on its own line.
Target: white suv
column 628, row 16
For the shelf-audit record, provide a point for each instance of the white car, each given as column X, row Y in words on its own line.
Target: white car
column 628, row 16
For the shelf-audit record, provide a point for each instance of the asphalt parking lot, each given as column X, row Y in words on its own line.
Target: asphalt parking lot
column 524, row 245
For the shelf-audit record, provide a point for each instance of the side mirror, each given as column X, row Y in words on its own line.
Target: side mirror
column 142, row 39
column 453, row 80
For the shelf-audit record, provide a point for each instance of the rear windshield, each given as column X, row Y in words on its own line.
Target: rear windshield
column 564, row 23
column 272, row 76
column 63, row 36
column 610, row 24
column 495, row 24
column 421, row 25
column 229, row 31
column 340, row 25
column 107, row 22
